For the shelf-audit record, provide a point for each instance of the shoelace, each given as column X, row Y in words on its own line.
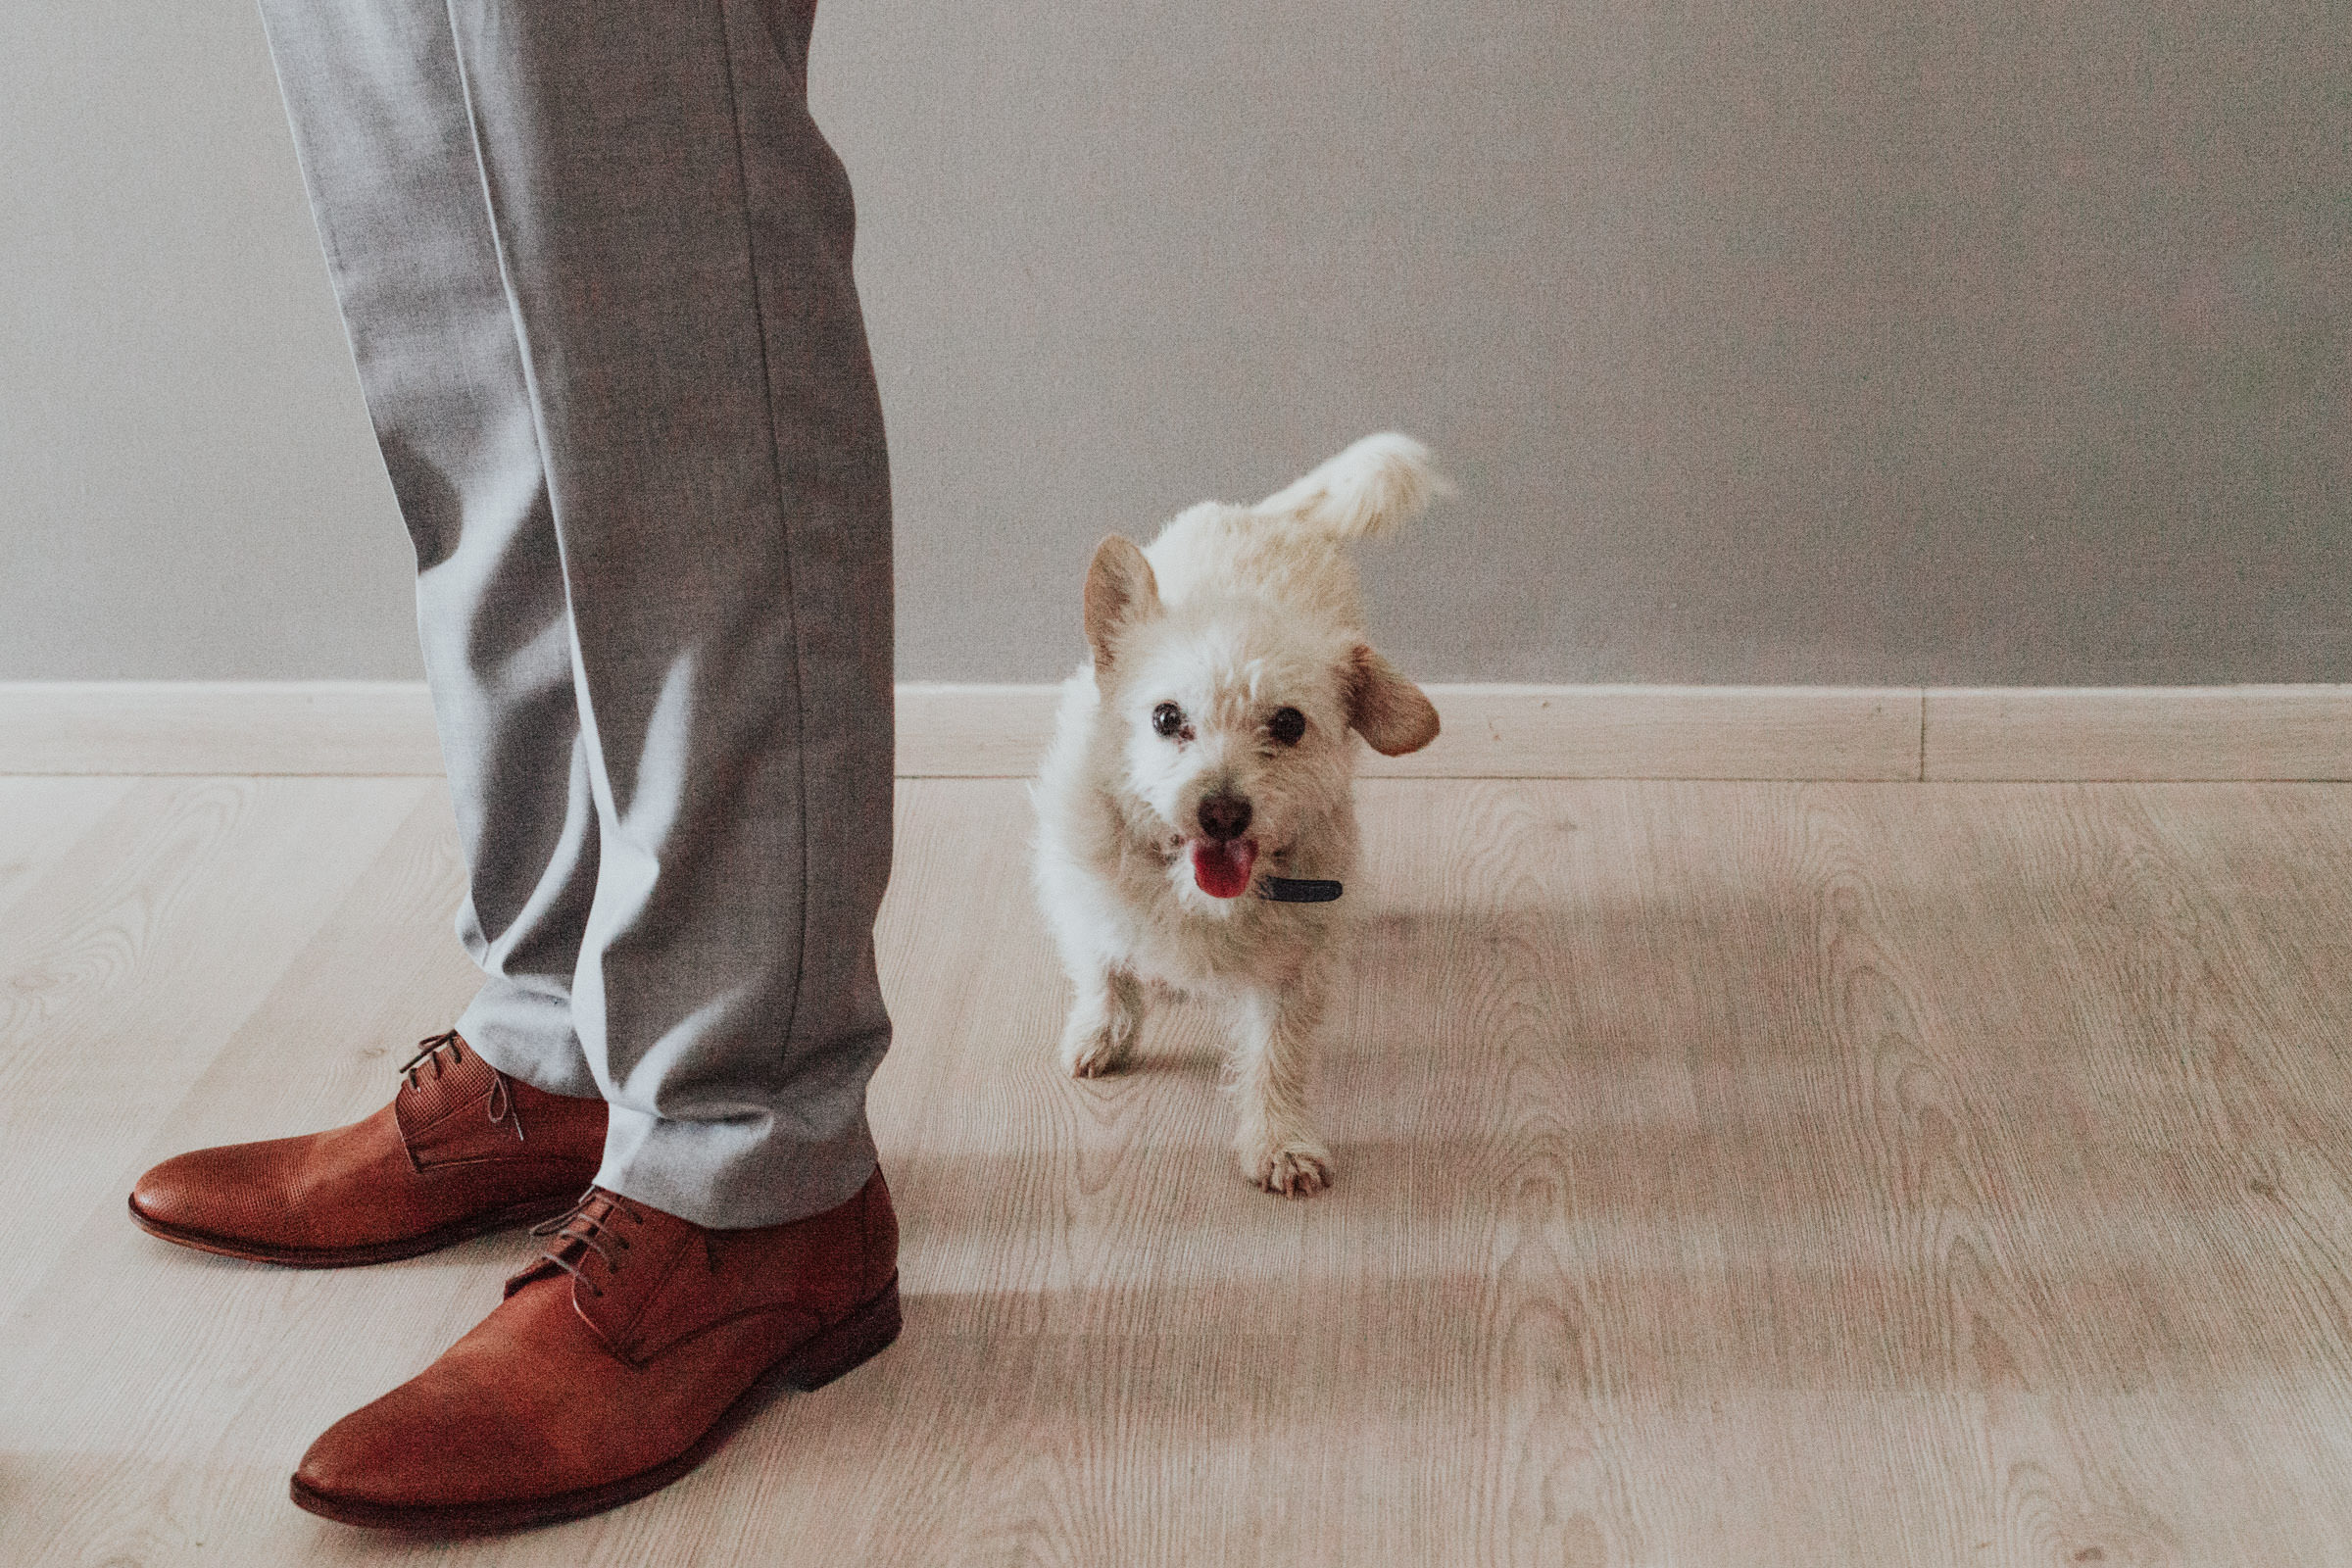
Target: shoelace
column 591, row 1230
column 502, row 1106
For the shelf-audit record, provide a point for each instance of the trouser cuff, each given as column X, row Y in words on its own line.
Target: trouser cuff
column 737, row 1174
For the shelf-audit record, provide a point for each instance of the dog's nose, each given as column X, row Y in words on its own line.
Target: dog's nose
column 1224, row 817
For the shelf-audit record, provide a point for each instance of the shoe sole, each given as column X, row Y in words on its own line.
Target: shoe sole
column 498, row 1219
column 856, row 1339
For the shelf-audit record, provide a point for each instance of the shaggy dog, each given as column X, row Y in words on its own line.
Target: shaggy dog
column 1201, row 756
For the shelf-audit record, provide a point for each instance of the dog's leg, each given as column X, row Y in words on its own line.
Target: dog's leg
column 1273, row 1057
column 1105, row 1023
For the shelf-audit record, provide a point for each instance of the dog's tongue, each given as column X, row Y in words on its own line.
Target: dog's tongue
column 1223, row 869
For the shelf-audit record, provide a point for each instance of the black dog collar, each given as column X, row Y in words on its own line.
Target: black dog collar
column 1296, row 890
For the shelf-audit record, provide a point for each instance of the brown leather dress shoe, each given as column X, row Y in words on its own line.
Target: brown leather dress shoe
column 615, row 1365
column 462, row 1148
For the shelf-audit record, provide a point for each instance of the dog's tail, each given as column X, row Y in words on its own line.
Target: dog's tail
column 1376, row 486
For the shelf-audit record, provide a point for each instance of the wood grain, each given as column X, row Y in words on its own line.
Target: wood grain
column 128, row 961
column 1739, row 1173
column 43, row 818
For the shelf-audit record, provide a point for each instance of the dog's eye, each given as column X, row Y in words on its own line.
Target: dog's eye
column 1167, row 719
column 1287, row 726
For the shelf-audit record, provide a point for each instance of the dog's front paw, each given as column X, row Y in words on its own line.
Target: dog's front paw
column 1296, row 1166
column 1091, row 1049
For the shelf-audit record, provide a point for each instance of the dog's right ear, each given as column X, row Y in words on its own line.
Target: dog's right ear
column 1121, row 590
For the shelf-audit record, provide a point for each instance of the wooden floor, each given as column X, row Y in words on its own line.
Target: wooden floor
column 1732, row 1174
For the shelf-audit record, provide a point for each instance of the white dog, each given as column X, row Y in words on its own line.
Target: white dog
column 1204, row 755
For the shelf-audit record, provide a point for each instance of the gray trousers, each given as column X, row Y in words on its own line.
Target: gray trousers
column 594, row 259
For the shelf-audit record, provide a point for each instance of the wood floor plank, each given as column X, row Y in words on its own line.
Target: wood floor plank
column 1729, row 1173
column 2095, row 1058
column 41, row 819
column 125, row 965
column 253, row 1360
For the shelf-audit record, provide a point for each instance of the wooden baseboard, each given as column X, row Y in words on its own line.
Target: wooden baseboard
column 2155, row 733
column 1490, row 731
column 170, row 727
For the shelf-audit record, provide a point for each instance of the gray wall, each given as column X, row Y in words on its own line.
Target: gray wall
column 2000, row 342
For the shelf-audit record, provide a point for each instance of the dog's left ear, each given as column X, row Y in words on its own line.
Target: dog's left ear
column 1387, row 709
column 1121, row 590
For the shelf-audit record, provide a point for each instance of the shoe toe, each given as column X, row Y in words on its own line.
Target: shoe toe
column 182, row 1192
column 433, row 1443
column 236, row 1195
column 372, row 1455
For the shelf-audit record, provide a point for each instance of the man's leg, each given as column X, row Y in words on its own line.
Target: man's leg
column 376, row 101
column 699, row 395
column 673, row 236
column 376, row 98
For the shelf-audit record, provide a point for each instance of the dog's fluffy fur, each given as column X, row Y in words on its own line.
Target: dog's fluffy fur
column 1234, row 615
